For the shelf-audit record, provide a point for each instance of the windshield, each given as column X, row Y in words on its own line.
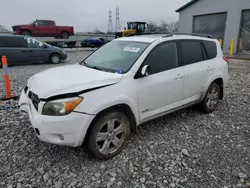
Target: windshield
column 32, row 22
column 116, row 56
column 132, row 25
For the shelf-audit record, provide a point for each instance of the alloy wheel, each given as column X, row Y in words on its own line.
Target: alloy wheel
column 110, row 136
column 55, row 59
column 212, row 97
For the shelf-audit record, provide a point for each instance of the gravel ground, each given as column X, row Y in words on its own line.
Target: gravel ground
column 184, row 149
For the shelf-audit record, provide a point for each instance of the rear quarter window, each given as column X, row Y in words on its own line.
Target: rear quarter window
column 211, row 49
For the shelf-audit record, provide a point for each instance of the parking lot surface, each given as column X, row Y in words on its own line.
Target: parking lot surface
column 183, row 149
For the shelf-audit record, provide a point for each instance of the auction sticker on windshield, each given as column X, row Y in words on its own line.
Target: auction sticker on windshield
column 131, row 49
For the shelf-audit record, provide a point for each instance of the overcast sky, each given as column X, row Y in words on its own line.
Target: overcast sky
column 87, row 15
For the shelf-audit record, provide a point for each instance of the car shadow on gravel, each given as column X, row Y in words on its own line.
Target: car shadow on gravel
column 62, row 152
column 180, row 115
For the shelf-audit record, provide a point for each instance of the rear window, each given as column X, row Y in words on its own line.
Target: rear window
column 211, row 49
column 11, row 42
column 191, row 52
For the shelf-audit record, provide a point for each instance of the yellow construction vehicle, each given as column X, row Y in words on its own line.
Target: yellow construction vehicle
column 133, row 28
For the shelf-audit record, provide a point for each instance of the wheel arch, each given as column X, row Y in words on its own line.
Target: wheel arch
column 122, row 107
column 218, row 80
column 53, row 53
column 22, row 30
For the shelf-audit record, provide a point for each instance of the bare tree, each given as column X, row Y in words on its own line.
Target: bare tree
column 173, row 27
column 3, row 29
column 152, row 27
column 164, row 27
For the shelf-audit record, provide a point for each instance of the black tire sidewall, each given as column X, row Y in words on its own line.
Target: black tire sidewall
column 66, row 34
column 91, row 137
column 51, row 56
column 28, row 33
column 203, row 104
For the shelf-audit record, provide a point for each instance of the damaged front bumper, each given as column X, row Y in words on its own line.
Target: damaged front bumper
column 68, row 130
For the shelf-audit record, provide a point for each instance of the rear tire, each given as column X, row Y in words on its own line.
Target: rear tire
column 93, row 46
column 64, row 35
column 113, row 128
column 26, row 32
column 211, row 99
column 55, row 58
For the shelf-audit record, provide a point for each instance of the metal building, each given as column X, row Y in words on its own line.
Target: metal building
column 224, row 19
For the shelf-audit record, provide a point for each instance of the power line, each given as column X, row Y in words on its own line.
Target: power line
column 117, row 23
column 110, row 25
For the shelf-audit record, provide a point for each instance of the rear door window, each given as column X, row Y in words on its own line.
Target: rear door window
column 12, row 42
column 210, row 48
column 191, row 52
column 47, row 23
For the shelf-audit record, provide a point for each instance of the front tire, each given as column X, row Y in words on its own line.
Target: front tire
column 108, row 135
column 211, row 99
column 26, row 32
column 55, row 58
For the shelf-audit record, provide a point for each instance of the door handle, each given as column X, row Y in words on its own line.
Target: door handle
column 178, row 76
column 209, row 68
column 30, row 50
column 24, row 51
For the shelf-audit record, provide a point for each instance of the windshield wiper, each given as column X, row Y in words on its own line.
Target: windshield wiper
column 97, row 68
column 93, row 67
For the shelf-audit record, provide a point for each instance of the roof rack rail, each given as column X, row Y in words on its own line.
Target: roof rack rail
column 154, row 33
column 192, row 34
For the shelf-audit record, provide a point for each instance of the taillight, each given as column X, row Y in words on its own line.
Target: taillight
column 225, row 59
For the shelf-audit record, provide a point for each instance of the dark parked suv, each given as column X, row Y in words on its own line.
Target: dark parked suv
column 23, row 50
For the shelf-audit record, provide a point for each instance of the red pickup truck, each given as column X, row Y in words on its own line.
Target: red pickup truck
column 44, row 28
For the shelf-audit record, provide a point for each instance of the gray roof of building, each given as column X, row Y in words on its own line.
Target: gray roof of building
column 186, row 5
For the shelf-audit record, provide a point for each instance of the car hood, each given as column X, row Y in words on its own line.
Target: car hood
column 22, row 25
column 69, row 79
column 15, row 27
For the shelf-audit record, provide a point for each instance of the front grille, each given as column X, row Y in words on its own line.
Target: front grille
column 35, row 99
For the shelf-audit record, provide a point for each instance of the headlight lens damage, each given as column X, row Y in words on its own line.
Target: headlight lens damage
column 60, row 107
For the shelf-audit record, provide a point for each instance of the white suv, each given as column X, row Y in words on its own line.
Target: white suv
column 126, row 82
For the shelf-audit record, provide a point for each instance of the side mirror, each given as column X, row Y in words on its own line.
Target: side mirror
column 34, row 24
column 45, row 46
column 145, row 70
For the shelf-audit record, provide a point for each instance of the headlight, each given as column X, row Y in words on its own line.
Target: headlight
column 64, row 52
column 60, row 107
